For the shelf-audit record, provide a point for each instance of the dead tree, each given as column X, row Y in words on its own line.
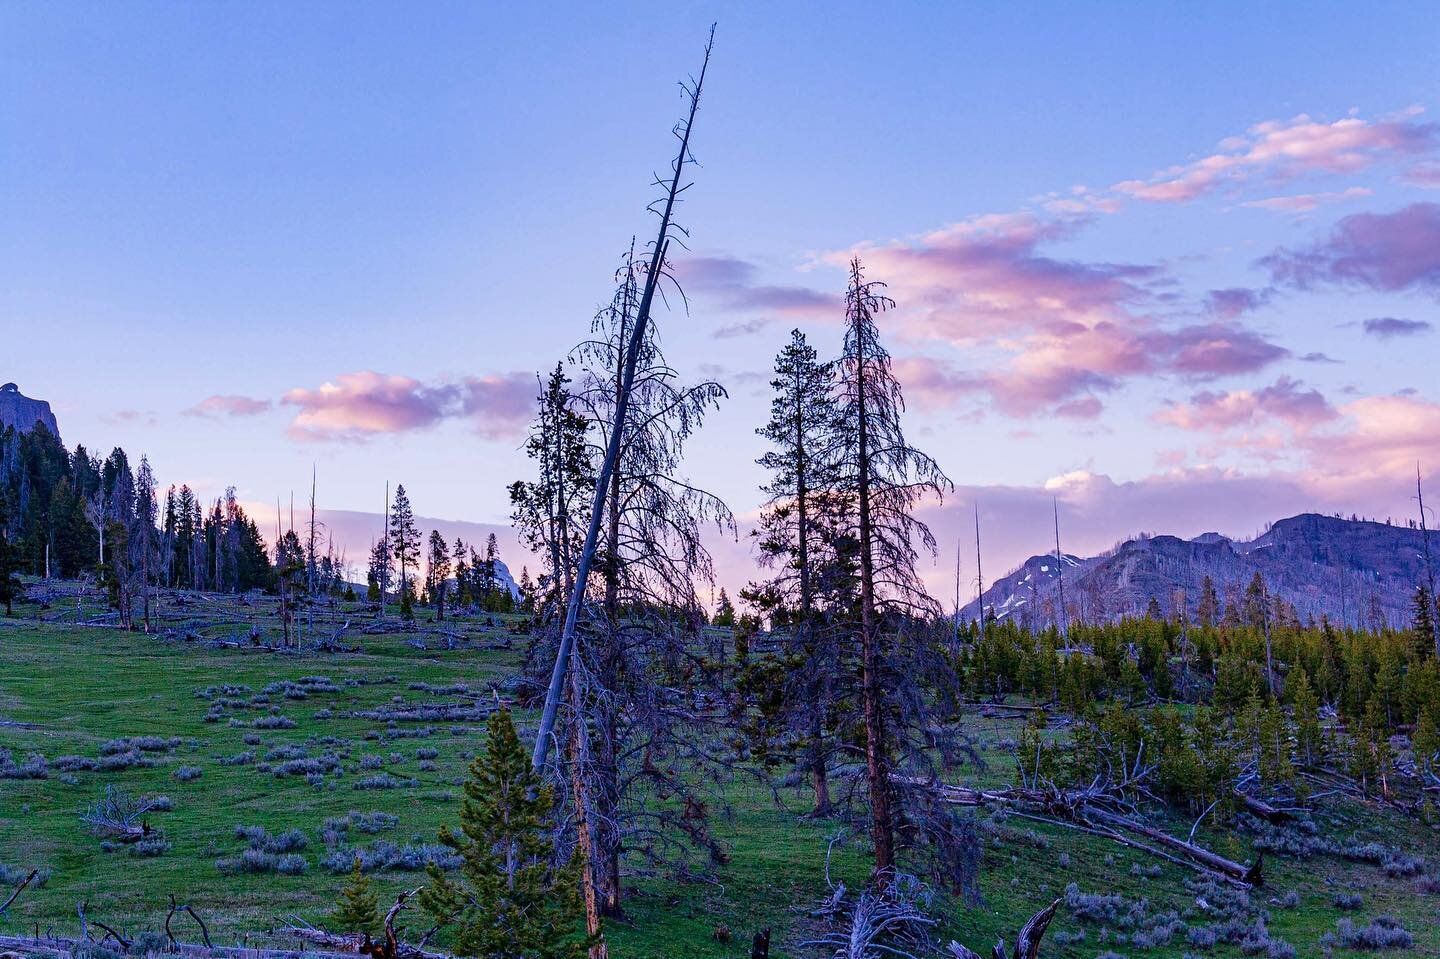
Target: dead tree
column 119, row 816
column 639, row 655
column 586, row 558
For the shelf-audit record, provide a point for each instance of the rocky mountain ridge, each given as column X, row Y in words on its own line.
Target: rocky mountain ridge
column 1358, row 572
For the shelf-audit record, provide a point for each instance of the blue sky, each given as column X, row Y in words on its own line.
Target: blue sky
column 249, row 200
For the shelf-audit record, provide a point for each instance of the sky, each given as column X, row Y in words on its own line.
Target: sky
column 1172, row 267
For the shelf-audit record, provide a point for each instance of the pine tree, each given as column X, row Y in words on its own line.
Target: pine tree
column 1208, row 612
column 886, row 477
column 1422, row 628
column 796, row 537
column 1309, row 741
column 550, row 513
column 509, row 901
column 490, row 576
column 9, row 561
column 724, row 611
column 358, row 909
column 439, row 572
column 404, row 538
column 378, row 572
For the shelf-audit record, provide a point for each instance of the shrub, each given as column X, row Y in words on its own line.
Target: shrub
column 1348, row 900
column 187, row 774
column 239, row 759
column 384, row 781
column 367, row 822
column 307, row 767
column 290, row 865
column 15, row 875
column 151, row 846
column 1383, row 932
column 146, row 744
column 33, row 766
column 259, row 839
column 274, row 722
column 383, row 856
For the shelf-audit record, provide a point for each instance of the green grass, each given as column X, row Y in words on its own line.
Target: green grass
column 74, row 688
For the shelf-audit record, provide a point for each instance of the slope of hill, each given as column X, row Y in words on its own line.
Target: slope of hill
column 1354, row 571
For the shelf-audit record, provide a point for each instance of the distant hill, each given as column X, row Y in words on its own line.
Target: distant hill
column 1359, row 572
column 21, row 412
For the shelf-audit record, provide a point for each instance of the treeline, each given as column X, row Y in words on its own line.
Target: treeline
column 71, row 514
column 454, row 577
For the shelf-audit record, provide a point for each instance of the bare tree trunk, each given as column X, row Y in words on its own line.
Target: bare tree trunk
column 587, row 553
column 584, row 837
column 877, row 765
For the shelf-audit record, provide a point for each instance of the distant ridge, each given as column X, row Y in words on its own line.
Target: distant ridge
column 1358, row 572
column 22, row 412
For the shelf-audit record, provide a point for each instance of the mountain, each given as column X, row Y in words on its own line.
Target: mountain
column 1354, row 571
column 21, row 412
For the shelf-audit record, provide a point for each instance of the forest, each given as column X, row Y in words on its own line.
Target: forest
column 418, row 762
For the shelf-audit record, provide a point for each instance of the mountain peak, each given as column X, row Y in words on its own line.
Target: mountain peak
column 22, row 412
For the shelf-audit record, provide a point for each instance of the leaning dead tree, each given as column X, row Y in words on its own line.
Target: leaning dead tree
column 586, row 560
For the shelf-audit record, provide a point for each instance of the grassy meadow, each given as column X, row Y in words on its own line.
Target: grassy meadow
column 286, row 741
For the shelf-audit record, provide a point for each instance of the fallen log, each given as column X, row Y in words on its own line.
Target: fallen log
column 1259, row 808
column 1078, row 810
column 1250, row 875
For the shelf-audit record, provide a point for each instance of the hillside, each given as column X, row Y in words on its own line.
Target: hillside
column 1353, row 571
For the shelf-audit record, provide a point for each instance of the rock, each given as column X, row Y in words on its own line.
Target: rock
column 21, row 412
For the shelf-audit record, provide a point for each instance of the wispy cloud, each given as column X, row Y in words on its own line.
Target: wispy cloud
column 228, row 405
column 1389, row 327
column 1282, row 150
column 731, row 282
column 1306, row 202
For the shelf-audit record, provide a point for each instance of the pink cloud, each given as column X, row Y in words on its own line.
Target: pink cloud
column 1305, row 202
column 1382, row 436
column 1281, row 150
column 499, row 406
column 1284, row 400
column 1424, row 175
column 1377, row 251
column 931, row 383
column 357, row 406
column 228, row 405
column 986, row 276
column 1214, row 349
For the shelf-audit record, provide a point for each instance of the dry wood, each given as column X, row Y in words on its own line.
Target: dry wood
column 19, row 889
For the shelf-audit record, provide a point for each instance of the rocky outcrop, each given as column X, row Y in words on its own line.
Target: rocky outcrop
column 1357, row 572
column 21, row 412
